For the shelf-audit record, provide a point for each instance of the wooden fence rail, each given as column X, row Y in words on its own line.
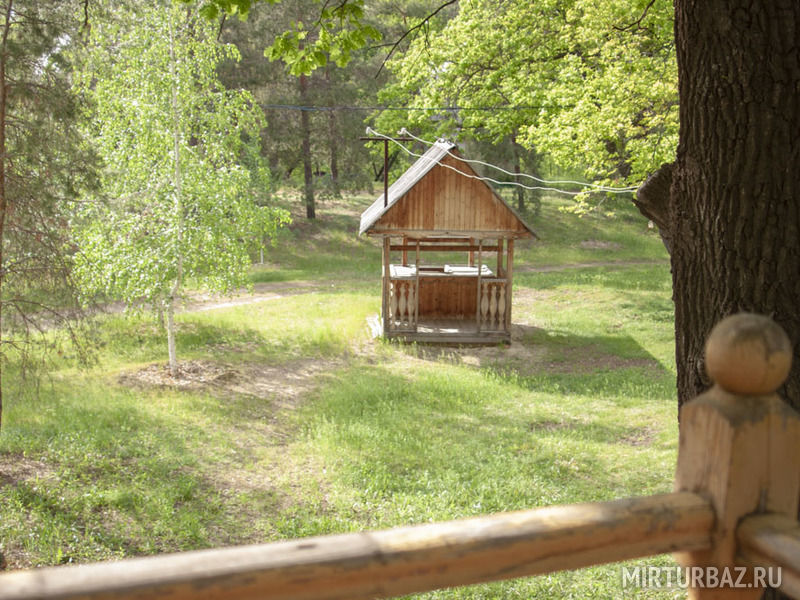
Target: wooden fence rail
column 736, row 497
column 772, row 541
column 394, row 562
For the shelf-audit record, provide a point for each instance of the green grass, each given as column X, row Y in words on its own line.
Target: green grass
column 617, row 233
column 330, row 249
column 307, row 427
column 326, row 249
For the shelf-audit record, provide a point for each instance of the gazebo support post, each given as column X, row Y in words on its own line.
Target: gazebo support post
column 416, row 291
column 386, row 284
column 509, row 274
column 478, row 295
column 500, row 257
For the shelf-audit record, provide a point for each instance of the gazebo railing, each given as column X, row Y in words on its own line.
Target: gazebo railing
column 493, row 305
column 732, row 513
column 403, row 303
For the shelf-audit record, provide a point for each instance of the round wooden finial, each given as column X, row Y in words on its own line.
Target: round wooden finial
column 748, row 354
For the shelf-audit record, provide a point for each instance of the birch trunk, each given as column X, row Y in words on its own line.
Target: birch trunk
column 176, row 134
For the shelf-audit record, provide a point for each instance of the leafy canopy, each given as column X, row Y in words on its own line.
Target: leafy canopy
column 589, row 83
column 45, row 164
column 178, row 204
column 333, row 36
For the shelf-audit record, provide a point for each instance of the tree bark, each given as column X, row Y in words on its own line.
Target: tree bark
column 735, row 195
column 305, row 133
column 653, row 201
column 736, row 183
column 334, row 154
column 171, row 345
column 333, row 140
column 517, row 170
column 3, row 198
column 176, row 133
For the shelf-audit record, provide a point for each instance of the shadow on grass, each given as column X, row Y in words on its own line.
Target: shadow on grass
column 578, row 347
column 462, row 440
column 556, row 357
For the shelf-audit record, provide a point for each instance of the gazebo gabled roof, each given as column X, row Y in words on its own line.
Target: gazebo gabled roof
column 405, row 182
column 420, row 194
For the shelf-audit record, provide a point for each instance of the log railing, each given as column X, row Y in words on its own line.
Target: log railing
column 772, row 541
column 734, row 507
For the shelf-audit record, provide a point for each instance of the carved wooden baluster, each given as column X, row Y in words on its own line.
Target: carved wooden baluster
column 484, row 304
column 403, row 303
column 409, row 293
column 399, row 313
column 492, row 306
column 393, row 304
column 501, row 307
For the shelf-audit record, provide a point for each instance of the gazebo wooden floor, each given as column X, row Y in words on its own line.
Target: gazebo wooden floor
column 440, row 331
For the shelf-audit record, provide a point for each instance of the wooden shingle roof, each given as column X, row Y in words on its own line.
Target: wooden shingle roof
column 441, row 193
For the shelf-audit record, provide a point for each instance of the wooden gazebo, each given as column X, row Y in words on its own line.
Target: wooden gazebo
column 439, row 205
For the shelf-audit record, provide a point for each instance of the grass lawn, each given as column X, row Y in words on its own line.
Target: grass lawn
column 289, row 421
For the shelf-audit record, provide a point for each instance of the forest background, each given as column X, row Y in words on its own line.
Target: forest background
column 144, row 145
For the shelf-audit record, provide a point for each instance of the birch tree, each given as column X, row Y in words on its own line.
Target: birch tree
column 178, row 205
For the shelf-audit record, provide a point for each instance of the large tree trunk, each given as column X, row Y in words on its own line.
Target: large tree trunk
column 736, row 184
column 735, row 195
column 305, row 133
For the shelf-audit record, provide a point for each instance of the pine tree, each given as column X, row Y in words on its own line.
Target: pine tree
column 44, row 163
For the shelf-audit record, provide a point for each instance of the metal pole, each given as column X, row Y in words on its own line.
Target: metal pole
column 385, row 173
column 386, row 161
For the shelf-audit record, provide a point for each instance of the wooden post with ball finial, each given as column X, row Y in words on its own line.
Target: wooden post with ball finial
column 739, row 447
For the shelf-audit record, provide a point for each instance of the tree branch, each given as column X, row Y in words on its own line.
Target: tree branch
column 652, row 200
column 408, row 32
column 637, row 24
column 86, row 27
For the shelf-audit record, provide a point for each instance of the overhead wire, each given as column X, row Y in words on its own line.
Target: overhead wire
column 311, row 108
column 549, row 188
column 596, row 186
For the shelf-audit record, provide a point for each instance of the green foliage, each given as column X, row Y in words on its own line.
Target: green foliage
column 212, row 9
column 331, row 37
column 589, row 83
column 342, row 30
column 45, row 163
column 178, row 202
column 336, row 154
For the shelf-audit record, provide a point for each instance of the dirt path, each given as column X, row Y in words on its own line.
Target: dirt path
column 262, row 292
column 265, row 292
